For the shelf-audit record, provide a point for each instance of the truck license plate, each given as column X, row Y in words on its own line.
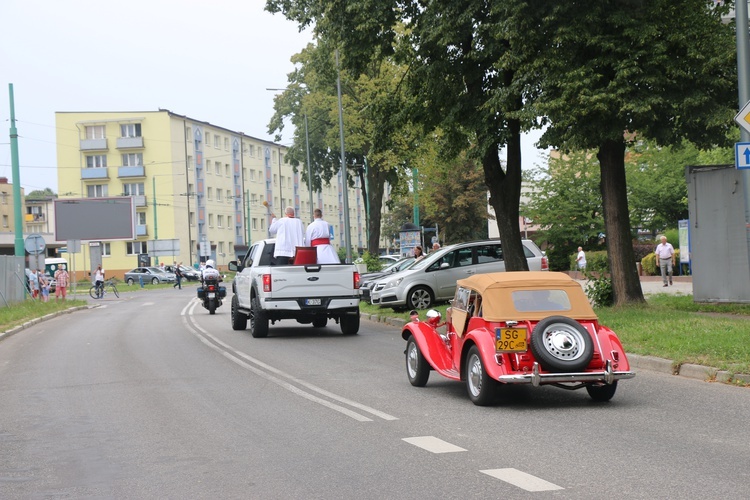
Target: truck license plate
column 312, row 302
column 510, row 339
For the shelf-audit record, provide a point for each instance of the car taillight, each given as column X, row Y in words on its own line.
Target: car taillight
column 545, row 264
column 356, row 280
column 266, row 282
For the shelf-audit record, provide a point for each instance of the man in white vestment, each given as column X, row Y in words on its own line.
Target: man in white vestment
column 290, row 234
column 318, row 235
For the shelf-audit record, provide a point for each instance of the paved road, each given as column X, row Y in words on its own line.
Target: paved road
column 152, row 397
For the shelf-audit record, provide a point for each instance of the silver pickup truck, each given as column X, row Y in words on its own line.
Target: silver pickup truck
column 309, row 293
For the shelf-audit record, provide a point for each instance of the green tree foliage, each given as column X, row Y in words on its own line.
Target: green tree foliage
column 41, row 194
column 567, row 205
column 665, row 69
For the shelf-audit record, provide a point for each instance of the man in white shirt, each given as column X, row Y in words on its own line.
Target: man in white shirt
column 581, row 259
column 318, row 235
column 290, row 234
column 665, row 259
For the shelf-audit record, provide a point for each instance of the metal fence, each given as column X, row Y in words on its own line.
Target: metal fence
column 13, row 287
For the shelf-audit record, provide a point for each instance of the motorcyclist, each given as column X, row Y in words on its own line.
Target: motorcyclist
column 209, row 272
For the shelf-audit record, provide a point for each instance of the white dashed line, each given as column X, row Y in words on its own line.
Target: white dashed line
column 433, row 444
column 522, row 480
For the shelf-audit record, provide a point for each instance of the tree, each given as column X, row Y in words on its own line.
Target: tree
column 567, row 204
column 664, row 69
column 38, row 194
column 463, row 59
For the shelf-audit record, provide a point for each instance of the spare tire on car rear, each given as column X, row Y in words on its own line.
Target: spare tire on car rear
column 561, row 344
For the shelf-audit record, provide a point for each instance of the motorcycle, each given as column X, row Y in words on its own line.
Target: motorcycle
column 211, row 294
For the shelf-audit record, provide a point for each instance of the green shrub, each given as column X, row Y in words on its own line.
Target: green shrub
column 651, row 268
column 372, row 261
column 599, row 289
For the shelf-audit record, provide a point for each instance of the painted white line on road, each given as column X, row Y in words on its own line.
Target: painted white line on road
column 433, row 444
column 234, row 354
column 522, row 480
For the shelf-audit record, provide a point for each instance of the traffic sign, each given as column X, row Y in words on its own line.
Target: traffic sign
column 743, row 117
column 742, row 155
column 34, row 244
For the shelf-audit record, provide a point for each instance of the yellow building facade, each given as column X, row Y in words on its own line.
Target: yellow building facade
column 192, row 182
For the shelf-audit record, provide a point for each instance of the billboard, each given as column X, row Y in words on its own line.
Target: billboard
column 95, row 218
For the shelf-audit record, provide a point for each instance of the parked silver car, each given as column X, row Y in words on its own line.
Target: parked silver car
column 433, row 279
column 152, row 275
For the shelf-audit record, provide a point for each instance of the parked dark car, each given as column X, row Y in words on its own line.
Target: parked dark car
column 187, row 272
column 367, row 280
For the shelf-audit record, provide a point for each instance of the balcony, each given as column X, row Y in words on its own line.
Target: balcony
column 139, row 200
column 141, row 230
column 94, row 173
column 129, row 142
column 137, row 171
column 93, row 144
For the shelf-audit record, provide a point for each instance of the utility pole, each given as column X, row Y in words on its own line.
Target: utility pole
column 743, row 76
column 345, row 177
column 17, row 219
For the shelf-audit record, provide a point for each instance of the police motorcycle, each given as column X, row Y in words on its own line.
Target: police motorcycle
column 210, row 292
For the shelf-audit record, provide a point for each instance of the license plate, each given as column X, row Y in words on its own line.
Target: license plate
column 211, row 295
column 510, row 339
column 312, row 302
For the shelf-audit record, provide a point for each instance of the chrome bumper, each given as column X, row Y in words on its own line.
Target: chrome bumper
column 536, row 379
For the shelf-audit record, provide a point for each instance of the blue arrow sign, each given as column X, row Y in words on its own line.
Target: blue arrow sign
column 742, row 155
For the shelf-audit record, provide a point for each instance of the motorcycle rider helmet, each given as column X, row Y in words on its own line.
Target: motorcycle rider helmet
column 209, row 263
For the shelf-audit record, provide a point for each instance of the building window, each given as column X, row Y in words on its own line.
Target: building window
column 229, row 195
column 218, row 194
column 255, row 223
column 210, row 193
column 132, row 160
column 5, row 221
column 96, row 161
column 191, row 218
column 141, row 218
column 210, row 220
column 252, row 175
column 191, row 191
column 190, row 161
column 136, row 247
column 95, row 132
column 283, row 183
column 226, row 169
column 188, row 134
column 135, row 189
column 226, row 144
column 130, row 130
column 275, row 180
column 208, row 140
column 273, row 156
column 106, row 249
column 220, row 220
column 217, row 141
column 217, row 167
column 97, row 191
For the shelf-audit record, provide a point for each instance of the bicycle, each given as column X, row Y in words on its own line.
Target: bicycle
column 97, row 291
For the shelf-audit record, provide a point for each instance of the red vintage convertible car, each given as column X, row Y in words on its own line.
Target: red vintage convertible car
column 530, row 327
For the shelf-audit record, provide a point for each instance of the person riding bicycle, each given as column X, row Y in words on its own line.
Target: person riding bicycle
column 99, row 278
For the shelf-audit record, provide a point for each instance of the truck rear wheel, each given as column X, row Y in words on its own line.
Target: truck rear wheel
column 350, row 324
column 258, row 320
column 239, row 320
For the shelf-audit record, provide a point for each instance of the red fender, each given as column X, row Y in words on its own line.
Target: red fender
column 433, row 347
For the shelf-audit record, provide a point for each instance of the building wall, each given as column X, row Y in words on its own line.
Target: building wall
column 195, row 181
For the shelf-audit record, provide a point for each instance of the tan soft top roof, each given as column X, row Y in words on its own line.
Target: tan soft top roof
column 496, row 290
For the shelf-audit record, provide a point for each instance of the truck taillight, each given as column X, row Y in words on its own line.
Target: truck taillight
column 356, row 280
column 545, row 264
column 266, row 282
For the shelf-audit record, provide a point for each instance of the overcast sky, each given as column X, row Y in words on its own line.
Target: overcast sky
column 210, row 60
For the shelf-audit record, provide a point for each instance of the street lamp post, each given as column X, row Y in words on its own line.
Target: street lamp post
column 345, row 177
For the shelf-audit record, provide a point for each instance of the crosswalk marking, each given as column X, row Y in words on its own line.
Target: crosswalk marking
column 522, row 480
column 433, row 444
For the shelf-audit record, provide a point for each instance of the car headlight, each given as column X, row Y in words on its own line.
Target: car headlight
column 394, row 283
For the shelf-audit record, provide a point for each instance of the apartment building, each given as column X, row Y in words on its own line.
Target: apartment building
column 198, row 183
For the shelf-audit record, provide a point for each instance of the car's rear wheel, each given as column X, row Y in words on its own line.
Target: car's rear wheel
column 258, row 320
column 131, row 281
column 481, row 388
column 602, row 393
column 419, row 297
column 350, row 324
column 239, row 320
column 154, row 281
column 561, row 344
column 417, row 368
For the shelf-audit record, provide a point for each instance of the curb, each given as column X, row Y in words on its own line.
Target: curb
column 650, row 363
column 32, row 322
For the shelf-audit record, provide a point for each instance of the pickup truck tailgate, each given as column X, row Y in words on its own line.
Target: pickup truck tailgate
column 330, row 280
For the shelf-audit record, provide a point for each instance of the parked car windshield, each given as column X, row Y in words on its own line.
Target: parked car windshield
column 400, row 265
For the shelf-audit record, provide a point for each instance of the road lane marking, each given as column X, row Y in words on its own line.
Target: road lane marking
column 522, row 479
column 433, row 444
column 232, row 354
